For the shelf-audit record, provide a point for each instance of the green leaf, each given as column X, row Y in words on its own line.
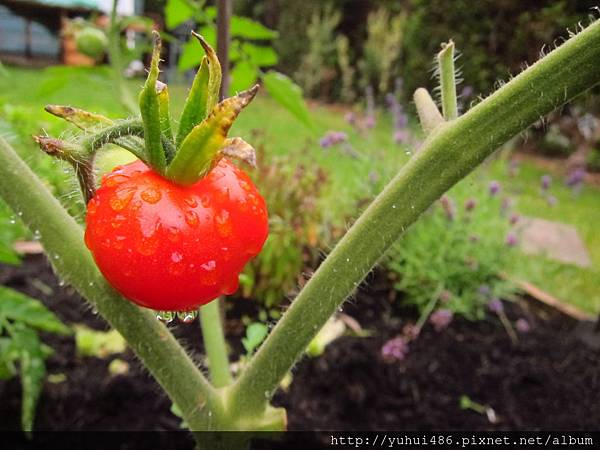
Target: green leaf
column 194, row 110
column 178, row 12
column 289, row 95
column 255, row 334
column 150, row 110
column 98, row 343
column 18, row 307
column 32, row 370
column 243, row 76
column 260, row 55
column 8, row 255
column 7, row 357
column 249, row 29
column 190, row 57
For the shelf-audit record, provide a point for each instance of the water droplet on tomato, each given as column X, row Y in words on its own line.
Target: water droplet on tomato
column 151, row 195
column 245, row 185
column 146, row 247
column 223, row 224
column 115, row 180
column 119, row 242
column 205, row 200
column 121, row 198
column 165, row 316
column 187, row 316
column 191, row 202
column 173, row 234
column 208, row 274
column 176, row 257
column 191, row 218
column 118, row 220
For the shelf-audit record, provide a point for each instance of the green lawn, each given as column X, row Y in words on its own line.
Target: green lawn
column 274, row 132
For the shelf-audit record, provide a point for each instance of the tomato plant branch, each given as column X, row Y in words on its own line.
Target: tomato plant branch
column 214, row 344
column 429, row 114
column 62, row 239
column 448, row 155
column 445, row 59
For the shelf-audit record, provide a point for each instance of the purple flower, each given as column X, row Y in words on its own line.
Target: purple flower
column 511, row 240
column 370, row 122
column 401, row 136
column 546, row 182
column 395, row 349
column 494, row 188
column 470, row 204
column 350, row 118
column 467, row 91
column 552, row 200
column 514, row 218
column 576, row 177
column 495, row 305
column 333, row 138
column 440, row 319
column 484, row 290
column 522, row 325
column 448, row 207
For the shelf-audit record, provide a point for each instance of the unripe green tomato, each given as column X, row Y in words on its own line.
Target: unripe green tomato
column 91, row 42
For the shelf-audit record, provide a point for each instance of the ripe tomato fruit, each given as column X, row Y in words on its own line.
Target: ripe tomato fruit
column 171, row 247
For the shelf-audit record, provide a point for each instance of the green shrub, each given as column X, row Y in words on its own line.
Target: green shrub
column 382, row 50
column 458, row 249
column 295, row 230
column 318, row 67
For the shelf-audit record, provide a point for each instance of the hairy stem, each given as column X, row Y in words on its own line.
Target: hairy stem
column 214, row 344
column 62, row 239
column 445, row 60
column 429, row 114
column 449, row 154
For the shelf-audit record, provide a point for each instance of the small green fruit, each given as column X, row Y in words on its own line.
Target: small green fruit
column 91, row 42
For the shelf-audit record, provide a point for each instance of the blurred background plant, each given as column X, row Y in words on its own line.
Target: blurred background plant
column 317, row 69
column 296, row 231
column 454, row 257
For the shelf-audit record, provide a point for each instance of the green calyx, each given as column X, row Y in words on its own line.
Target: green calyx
column 184, row 155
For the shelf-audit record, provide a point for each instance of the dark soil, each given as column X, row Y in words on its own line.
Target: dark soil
column 548, row 381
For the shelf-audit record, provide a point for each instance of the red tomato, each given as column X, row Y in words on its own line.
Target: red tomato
column 171, row 247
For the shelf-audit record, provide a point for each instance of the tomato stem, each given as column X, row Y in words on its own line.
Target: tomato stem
column 447, row 77
column 450, row 153
column 214, row 344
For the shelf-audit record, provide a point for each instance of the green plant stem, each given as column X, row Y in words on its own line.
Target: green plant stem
column 447, row 81
column 214, row 344
column 429, row 114
column 449, row 154
column 115, row 57
column 62, row 239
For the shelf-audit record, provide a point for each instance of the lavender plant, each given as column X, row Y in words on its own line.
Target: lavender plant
column 453, row 148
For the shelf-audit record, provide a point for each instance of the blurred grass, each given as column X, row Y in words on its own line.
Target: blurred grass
column 355, row 174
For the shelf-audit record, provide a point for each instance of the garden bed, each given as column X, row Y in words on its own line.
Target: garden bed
column 549, row 380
